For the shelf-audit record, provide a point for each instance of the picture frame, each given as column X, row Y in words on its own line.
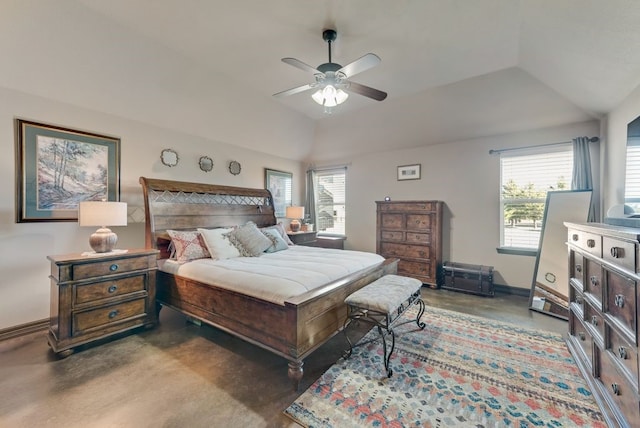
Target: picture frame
column 57, row 168
column 409, row 172
column 279, row 183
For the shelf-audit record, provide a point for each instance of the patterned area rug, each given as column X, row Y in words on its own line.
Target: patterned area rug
column 460, row 371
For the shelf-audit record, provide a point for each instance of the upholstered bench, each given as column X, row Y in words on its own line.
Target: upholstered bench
column 381, row 303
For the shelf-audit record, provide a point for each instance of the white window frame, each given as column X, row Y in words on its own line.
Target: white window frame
column 340, row 214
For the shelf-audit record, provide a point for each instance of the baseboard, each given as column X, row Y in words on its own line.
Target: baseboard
column 24, row 329
column 516, row 291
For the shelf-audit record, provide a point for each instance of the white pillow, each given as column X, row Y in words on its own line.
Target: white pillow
column 218, row 244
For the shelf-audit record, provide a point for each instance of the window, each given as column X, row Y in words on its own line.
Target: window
column 525, row 178
column 632, row 176
column 330, row 197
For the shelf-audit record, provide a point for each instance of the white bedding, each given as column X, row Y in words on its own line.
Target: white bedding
column 276, row 277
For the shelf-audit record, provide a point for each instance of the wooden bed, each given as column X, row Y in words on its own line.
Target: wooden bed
column 292, row 331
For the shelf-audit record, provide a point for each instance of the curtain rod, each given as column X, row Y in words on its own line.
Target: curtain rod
column 327, row 167
column 591, row 140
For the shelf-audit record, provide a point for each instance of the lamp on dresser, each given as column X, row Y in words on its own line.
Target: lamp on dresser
column 295, row 213
column 102, row 214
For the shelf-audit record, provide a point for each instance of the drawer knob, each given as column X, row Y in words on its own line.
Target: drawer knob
column 615, row 388
column 617, row 252
column 579, row 300
column 594, row 280
column 619, row 300
column 622, row 352
column 582, row 336
column 113, row 289
column 579, row 268
column 113, row 314
column 113, row 267
column 594, row 320
column 574, row 237
column 591, row 243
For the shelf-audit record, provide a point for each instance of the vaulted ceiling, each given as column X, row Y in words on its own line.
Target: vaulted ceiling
column 453, row 69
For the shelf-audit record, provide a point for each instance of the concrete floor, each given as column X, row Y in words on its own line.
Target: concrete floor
column 181, row 375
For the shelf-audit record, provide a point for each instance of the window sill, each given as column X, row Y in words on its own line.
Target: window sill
column 518, row 251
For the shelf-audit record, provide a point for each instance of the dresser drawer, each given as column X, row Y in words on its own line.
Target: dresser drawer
column 83, row 321
column 90, row 270
column 105, row 289
column 576, row 262
column 625, row 354
column 419, row 222
column 580, row 335
column 577, row 298
column 407, row 206
column 592, row 284
column 621, row 302
column 418, row 238
column 406, row 251
column 416, row 268
column 622, row 253
column 620, row 391
column 595, row 321
column 386, row 235
column 586, row 241
column 392, row 221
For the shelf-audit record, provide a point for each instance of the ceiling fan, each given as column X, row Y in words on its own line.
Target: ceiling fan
column 332, row 82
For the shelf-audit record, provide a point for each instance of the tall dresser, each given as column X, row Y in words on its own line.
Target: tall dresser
column 411, row 231
column 603, row 315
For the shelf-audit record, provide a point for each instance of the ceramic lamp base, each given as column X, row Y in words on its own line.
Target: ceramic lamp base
column 103, row 240
column 294, row 226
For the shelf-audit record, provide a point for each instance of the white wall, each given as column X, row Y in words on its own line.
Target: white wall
column 24, row 283
column 466, row 178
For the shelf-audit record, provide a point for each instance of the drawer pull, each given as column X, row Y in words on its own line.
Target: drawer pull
column 617, row 252
column 113, row 289
column 619, row 300
column 574, row 237
column 114, row 267
column 579, row 300
column 582, row 336
column 591, row 243
column 615, row 388
column 622, row 352
column 579, row 268
column 594, row 320
column 113, row 313
column 594, row 280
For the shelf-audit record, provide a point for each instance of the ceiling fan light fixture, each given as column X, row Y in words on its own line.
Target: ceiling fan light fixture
column 329, row 96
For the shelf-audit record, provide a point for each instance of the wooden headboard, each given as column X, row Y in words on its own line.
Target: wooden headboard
column 180, row 205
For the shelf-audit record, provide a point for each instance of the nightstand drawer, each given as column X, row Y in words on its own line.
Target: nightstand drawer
column 91, row 270
column 83, row 321
column 106, row 289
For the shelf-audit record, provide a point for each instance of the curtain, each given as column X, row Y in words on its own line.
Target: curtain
column 310, row 204
column 581, row 179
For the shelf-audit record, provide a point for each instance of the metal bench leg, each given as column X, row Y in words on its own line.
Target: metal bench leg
column 420, row 302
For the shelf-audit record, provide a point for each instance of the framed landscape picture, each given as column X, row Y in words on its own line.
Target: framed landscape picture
column 57, row 168
column 279, row 183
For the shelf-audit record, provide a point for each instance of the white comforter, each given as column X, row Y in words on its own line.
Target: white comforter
column 276, row 277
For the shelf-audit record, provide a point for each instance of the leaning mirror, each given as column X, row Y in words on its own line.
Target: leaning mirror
column 550, row 285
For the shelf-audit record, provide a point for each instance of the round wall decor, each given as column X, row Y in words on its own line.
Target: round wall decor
column 234, row 167
column 169, row 157
column 205, row 163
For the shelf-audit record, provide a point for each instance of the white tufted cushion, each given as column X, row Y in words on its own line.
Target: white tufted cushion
column 384, row 294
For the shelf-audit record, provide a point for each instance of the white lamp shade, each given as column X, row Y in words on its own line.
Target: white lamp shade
column 93, row 213
column 329, row 96
column 295, row 212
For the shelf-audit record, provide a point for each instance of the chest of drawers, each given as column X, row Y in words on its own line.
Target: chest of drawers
column 411, row 231
column 96, row 297
column 603, row 315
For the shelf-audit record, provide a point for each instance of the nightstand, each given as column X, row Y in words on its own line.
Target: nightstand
column 303, row 238
column 94, row 297
column 336, row 242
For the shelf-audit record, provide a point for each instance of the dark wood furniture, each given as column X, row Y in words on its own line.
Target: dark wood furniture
column 412, row 232
column 468, row 278
column 335, row 242
column 96, row 297
column 292, row 330
column 303, row 238
column 603, row 315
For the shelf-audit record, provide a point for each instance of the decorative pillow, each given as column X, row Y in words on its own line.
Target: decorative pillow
column 250, row 237
column 218, row 244
column 280, row 229
column 277, row 243
column 187, row 245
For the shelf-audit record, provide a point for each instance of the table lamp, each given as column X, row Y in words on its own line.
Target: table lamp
column 102, row 214
column 295, row 213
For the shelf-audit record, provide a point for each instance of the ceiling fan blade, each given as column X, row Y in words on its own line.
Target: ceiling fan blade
column 301, row 65
column 295, row 90
column 367, row 91
column 363, row 63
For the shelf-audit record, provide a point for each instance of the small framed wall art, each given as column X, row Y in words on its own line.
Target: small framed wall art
column 57, row 168
column 409, row 172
